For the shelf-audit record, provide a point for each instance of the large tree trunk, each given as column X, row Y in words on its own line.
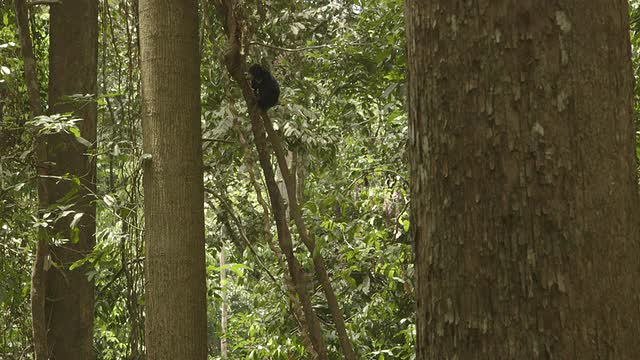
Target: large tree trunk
column 175, row 289
column 72, row 70
column 524, row 188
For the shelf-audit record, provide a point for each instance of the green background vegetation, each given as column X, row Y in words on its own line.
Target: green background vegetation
column 341, row 66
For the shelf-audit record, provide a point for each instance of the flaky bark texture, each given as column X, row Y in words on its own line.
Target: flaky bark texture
column 73, row 57
column 175, row 289
column 524, row 189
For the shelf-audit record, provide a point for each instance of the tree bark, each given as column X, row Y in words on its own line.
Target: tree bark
column 72, row 70
column 524, row 188
column 175, row 288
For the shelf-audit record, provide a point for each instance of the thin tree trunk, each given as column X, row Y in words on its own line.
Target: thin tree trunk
column 309, row 241
column 284, row 235
column 38, row 318
column 524, row 186
column 223, row 315
column 175, row 288
column 73, row 55
column 306, row 325
column 233, row 23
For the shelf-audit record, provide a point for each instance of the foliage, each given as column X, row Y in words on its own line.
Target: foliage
column 342, row 115
column 347, row 127
column 18, row 215
column 635, row 56
column 341, row 68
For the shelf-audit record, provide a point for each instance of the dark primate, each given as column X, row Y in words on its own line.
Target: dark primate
column 264, row 86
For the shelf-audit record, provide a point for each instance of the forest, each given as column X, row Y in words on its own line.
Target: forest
column 319, row 179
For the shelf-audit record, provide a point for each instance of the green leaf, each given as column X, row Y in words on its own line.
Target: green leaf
column 75, row 235
column 83, row 141
column 389, row 89
column 78, row 263
column 109, row 200
column 76, row 218
column 236, row 268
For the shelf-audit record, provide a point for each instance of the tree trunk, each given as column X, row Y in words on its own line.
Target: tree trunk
column 223, row 310
column 233, row 22
column 38, row 318
column 73, row 57
column 524, row 189
column 307, row 321
column 175, row 289
column 308, row 239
